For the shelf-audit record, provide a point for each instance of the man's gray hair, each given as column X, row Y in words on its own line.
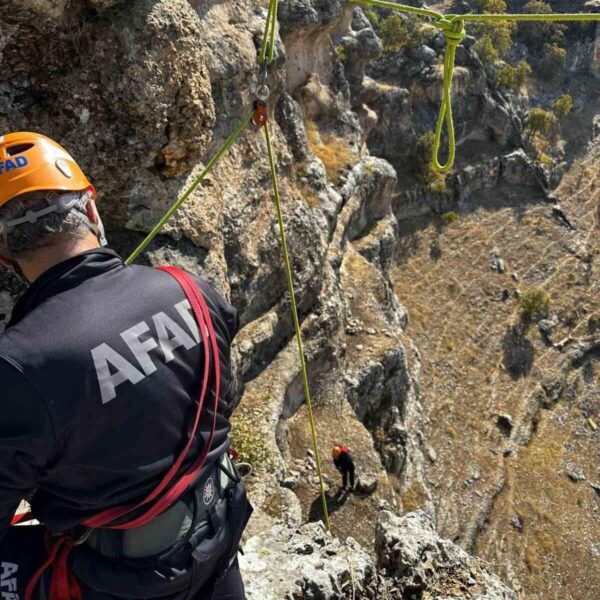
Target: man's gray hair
column 24, row 239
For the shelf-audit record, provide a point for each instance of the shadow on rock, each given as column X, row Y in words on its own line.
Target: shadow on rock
column 334, row 503
column 518, row 352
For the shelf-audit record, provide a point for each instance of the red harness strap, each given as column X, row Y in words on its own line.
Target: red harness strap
column 64, row 585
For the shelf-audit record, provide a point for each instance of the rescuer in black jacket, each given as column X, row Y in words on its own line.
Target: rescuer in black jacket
column 344, row 463
column 100, row 370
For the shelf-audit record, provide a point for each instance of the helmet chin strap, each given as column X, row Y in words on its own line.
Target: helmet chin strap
column 97, row 229
column 59, row 203
column 56, row 203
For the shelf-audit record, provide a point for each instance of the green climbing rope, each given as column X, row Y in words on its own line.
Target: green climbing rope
column 209, row 167
column 454, row 32
column 421, row 12
column 552, row 17
column 266, row 55
column 294, row 309
column 453, row 28
column 267, row 50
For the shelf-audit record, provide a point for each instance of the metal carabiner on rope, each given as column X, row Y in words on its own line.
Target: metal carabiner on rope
column 260, row 116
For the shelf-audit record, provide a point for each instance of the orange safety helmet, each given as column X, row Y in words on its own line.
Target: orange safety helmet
column 31, row 162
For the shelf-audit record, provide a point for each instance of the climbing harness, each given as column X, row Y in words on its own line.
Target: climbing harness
column 453, row 28
column 64, row 585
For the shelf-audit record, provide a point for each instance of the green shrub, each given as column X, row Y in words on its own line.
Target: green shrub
column 415, row 32
column 553, row 61
column 540, row 121
column 393, row 33
column 491, row 6
column 251, row 446
column 513, row 77
column 398, row 33
column 484, row 47
column 500, row 34
column 538, row 34
column 449, row 217
column 534, row 301
column 372, row 15
column 563, row 106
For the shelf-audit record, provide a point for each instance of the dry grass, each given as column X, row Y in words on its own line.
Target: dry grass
column 309, row 196
column 334, row 152
column 459, row 312
column 414, row 498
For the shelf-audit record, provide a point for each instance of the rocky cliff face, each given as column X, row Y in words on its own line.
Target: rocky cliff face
column 412, row 561
column 143, row 92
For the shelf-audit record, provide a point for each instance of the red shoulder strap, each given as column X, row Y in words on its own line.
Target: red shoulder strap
column 157, row 500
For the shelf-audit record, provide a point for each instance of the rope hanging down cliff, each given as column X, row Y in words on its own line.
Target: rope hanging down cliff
column 258, row 116
column 453, row 28
column 454, row 31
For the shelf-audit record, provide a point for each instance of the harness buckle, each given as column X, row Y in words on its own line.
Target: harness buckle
column 84, row 537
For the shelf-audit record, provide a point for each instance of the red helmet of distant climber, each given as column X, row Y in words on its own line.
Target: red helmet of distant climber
column 31, row 162
column 338, row 450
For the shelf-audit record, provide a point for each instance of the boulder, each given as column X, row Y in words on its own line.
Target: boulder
column 307, row 563
column 410, row 550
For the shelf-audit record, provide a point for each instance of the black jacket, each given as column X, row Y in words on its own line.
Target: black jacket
column 344, row 463
column 100, row 370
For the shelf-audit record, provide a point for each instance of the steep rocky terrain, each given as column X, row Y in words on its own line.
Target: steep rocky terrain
column 408, row 289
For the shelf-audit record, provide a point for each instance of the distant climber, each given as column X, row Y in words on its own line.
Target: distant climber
column 342, row 459
column 116, row 392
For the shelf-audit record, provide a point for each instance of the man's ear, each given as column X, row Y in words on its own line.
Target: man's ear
column 95, row 220
column 92, row 212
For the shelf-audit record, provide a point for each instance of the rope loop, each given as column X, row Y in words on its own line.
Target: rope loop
column 454, row 32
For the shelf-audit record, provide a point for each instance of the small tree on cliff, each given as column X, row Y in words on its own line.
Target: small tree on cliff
column 540, row 121
column 486, row 51
column 537, row 34
column 372, row 15
column 563, row 105
column 494, row 39
column 513, row 78
column 553, row 61
column 393, row 33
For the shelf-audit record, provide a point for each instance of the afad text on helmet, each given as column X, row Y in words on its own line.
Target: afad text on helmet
column 9, row 165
